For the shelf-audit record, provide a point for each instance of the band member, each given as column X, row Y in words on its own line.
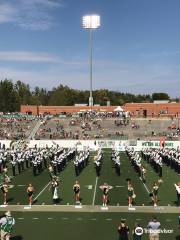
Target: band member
column 51, row 171
column 177, row 186
column 131, row 194
column 54, row 186
column 4, row 189
column 76, row 189
column 30, row 191
column 155, row 190
column 6, row 178
column 105, row 189
column 143, row 174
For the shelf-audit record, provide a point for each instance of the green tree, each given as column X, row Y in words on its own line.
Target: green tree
column 23, row 93
column 8, row 97
column 160, row 96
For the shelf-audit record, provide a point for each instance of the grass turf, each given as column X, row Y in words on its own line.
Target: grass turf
column 89, row 190
column 167, row 193
column 48, row 226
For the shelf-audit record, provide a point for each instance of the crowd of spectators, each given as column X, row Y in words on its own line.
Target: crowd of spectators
column 79, row 128
column 16, row 126
column 87, row 125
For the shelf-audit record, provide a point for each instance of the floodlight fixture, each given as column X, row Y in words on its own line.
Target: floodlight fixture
column 91, row 21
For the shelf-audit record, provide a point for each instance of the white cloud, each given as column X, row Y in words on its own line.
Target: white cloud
column 7, row 13
column 139, row 78
column 24, row 56
column 29, row 14
column 41, row 3
column 39, row 57
column 122, row 77
column 164, row 53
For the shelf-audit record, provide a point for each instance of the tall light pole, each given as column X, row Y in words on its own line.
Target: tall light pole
column 91, row 22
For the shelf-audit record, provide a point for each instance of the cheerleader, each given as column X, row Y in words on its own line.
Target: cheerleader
column 76, row 189
column 131, row 194
column 155, row 190
column 4, row 189
column 30, row 191
column 105, row 189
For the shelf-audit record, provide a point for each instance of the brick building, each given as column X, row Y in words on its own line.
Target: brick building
column 153, row 109
column 136, row 109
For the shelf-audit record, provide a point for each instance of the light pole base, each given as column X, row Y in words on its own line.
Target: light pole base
column 90, row 101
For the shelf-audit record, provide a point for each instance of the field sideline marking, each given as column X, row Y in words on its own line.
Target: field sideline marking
column 41, row 191
column 94, row 195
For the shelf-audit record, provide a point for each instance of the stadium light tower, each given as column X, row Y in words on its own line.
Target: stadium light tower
column 91, row 22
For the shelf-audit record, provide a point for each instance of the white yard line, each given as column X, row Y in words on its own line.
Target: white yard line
column 41, row 191
column 94, row 195
column 145, row 187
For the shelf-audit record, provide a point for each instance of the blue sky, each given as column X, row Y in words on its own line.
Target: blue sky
column 136, row 49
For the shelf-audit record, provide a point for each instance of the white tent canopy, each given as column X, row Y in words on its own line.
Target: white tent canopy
column 118, row 109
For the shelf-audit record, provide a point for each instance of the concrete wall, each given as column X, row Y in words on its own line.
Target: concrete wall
column 95, row 144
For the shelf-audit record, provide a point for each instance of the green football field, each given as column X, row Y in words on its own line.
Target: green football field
column 90, row 191
column 48, row 226
column 93, row 224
